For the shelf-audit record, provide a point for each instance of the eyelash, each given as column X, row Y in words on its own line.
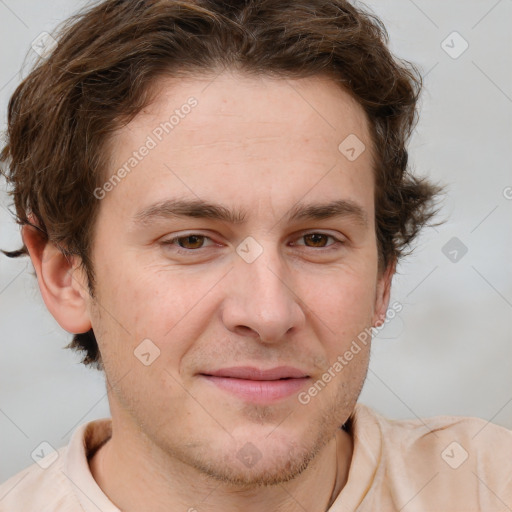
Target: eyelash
column 181, row 250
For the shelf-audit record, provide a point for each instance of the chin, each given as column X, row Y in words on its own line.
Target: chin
column 260, row 472
column 272, row 458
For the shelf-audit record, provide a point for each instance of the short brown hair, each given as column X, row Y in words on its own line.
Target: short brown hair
column 60, row 118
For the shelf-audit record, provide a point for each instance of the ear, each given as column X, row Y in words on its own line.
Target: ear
column 383, row 293
column 63, row 289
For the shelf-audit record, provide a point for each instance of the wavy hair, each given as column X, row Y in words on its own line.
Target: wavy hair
column 99, row 77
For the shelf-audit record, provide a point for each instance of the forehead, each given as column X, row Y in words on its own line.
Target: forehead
column 312, row 106
column 233, row 136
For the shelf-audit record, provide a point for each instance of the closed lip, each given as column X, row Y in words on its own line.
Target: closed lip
column 253, row 373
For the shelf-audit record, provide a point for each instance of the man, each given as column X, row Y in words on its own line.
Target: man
column 215, row 196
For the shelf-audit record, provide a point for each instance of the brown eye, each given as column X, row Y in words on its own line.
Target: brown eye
column 191, row 245
column 317, row 239
column 191, row 241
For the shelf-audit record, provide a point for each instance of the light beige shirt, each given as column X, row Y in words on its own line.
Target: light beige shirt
column 441, row 464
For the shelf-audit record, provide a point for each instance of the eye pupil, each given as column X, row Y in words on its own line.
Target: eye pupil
column 317, row 238
column 196, row 241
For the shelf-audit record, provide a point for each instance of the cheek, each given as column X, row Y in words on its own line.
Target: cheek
column 343, row 299
column 127, row 308
column 151, row 302
column 341, row 312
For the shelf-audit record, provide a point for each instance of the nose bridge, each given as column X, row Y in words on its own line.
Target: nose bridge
column 263, row 298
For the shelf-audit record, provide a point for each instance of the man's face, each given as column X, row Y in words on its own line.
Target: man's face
column 296, row 293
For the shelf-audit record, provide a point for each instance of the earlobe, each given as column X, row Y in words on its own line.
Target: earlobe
column 383, row 294
column 62, row 289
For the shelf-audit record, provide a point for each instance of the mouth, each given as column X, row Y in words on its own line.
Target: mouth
column 258, row 385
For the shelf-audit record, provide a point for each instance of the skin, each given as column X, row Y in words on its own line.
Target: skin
column 261, row 145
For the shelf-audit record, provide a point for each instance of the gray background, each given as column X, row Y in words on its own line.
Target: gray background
column 448, row 352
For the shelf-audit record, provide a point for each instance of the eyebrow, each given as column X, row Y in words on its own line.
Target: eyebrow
column 197, row 208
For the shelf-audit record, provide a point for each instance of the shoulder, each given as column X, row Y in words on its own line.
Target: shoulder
column 449, row 441
column 60, row 480
column 43, row 486
column 477, row 432
column 442, row 458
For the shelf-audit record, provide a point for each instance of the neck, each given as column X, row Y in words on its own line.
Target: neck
column 134, row 480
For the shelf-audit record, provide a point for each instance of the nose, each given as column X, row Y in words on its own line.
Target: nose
column 263, row 300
